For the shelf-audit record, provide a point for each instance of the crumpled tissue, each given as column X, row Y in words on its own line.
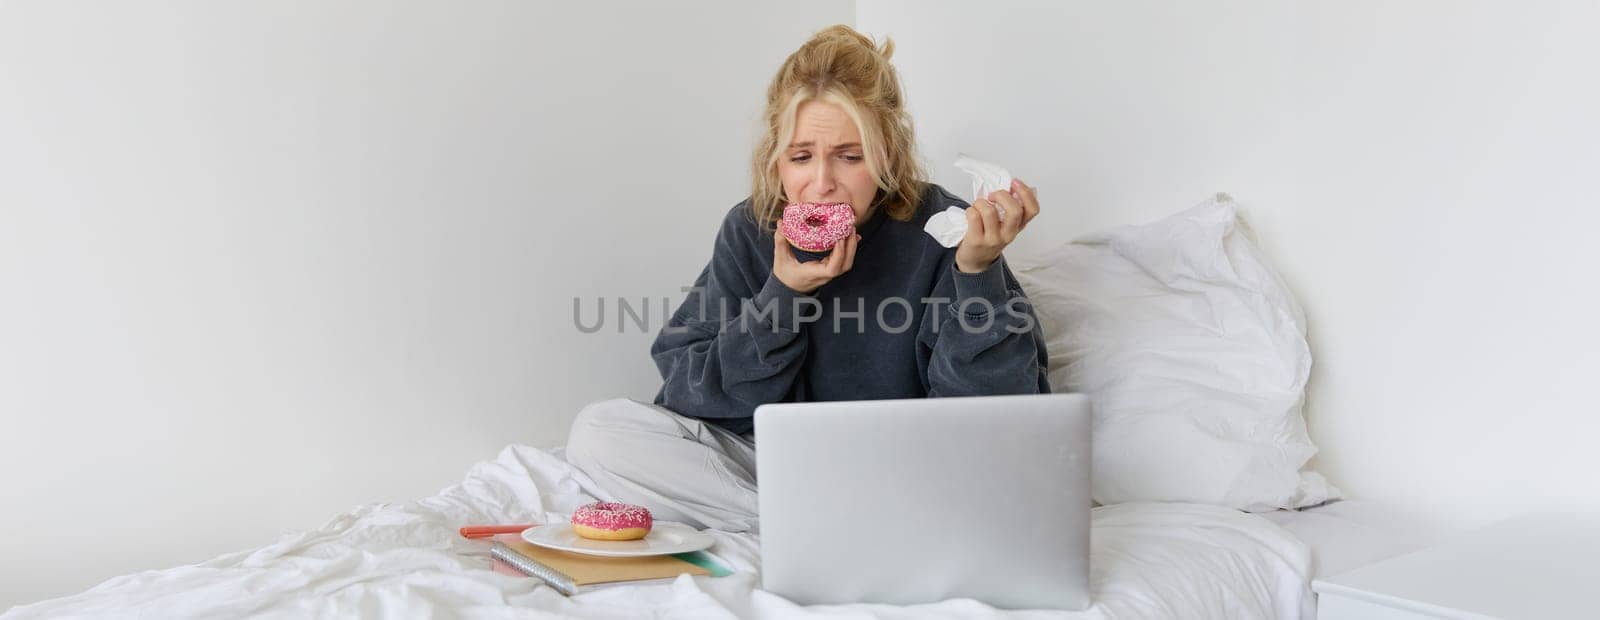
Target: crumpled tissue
column 950, row 225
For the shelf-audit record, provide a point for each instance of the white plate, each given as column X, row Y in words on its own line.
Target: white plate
column 665, row 537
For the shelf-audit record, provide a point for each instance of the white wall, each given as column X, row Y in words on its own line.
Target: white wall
column 262, row 262
column 1424, row 173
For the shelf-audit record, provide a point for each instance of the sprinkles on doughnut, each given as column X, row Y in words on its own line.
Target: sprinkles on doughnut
column 816, row 227
column 611, row 521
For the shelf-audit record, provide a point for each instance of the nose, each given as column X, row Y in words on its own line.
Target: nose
column 823, row 184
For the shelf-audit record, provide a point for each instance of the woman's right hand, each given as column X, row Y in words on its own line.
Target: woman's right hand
column 807, row 277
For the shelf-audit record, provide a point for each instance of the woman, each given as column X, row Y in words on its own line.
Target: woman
column 888, row 314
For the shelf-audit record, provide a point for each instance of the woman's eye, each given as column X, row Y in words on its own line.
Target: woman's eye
column 799, row 158
column 852, row 158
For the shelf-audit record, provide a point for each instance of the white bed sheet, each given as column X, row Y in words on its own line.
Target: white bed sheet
column 406, row 560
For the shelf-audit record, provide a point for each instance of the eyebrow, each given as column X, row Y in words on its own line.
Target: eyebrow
column 807, row 145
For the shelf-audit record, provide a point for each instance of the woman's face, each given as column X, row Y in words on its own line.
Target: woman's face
column 824, row 161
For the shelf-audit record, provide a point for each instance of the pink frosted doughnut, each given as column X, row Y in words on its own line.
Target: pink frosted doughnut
column 815, row 227
column 611, row 521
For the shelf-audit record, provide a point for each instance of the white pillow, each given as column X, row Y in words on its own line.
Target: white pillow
column 1194, row 354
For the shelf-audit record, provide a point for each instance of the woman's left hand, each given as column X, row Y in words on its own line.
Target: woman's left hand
column 987, row 235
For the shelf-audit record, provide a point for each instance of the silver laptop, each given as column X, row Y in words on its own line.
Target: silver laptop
column 922, row 500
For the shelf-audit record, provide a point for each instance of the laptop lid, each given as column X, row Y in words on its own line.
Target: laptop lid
column 921, row 500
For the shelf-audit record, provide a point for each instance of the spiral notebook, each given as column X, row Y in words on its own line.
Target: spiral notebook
column 587, row 571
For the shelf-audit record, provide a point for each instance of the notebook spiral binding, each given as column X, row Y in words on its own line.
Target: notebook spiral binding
column 556, row 579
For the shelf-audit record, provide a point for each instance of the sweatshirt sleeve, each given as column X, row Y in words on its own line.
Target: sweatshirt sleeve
column 985, row 340
column 734, row 343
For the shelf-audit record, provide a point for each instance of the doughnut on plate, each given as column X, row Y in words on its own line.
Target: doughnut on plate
column 665, row 538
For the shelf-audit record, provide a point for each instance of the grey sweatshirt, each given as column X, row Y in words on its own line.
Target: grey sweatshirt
column 891, row 327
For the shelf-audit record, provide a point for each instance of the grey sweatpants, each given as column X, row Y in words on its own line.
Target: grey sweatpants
column 681, row 468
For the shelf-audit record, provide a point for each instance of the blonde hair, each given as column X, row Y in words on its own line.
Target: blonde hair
column 841, row 66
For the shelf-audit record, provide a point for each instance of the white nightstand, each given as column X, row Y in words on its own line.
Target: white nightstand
column 1530, row 567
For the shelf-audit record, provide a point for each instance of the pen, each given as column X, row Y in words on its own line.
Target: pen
column 485, row 531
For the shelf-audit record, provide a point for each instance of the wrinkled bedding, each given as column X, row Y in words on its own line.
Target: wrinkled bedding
column 1149, row 560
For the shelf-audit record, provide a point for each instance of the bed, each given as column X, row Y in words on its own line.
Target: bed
column 1125, row 322
column 1149, row 560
